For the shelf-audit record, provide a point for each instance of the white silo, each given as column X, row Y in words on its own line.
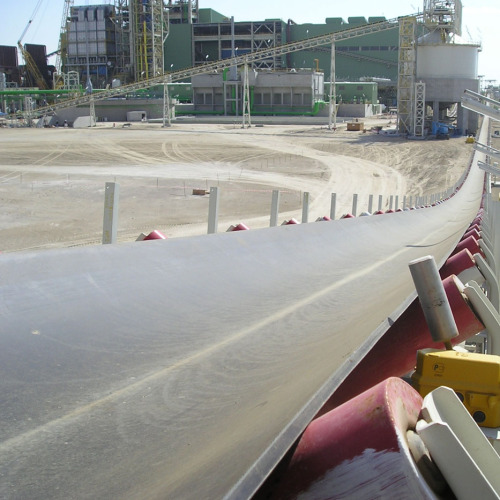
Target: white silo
column 447, row 64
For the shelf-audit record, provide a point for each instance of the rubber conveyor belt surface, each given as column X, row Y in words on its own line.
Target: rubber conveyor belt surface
column 185, row 368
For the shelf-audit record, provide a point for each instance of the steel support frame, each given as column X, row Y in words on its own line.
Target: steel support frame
column 407, row 63
column 147, row 26
column 419, row 107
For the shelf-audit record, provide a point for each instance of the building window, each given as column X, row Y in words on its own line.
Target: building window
column 277, row 99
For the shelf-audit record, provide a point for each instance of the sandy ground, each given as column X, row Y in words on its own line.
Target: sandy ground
column 52, row 180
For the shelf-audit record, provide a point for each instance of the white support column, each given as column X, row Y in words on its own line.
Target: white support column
column 305, row 208
column 110, row 220
column 333, row 206
column 380, row 202
column 275, row 208
column 370, row 203
column 354, row 204
column 213, row 210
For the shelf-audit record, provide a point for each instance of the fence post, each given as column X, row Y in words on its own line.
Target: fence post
column 213, row 210
column 305, row 208
column 275, row 203
column 333, row 206
column 354, row 204
column 110, row 220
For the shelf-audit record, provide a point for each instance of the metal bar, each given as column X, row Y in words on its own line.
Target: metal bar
column 487, row 314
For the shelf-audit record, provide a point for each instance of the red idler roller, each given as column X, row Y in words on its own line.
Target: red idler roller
column 239, row 227
column 379, row 212
column 324, row 218
column 155, row 235
column 477, row 227
column 472, row 232
column 470, row 244
column 347, row 216
column 395, row 353
column 478, row 220
column 290, row 222
column 457, row 263
column 358, row 450
column 390, row 211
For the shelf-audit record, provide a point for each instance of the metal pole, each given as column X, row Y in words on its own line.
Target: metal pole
column 333, row 206
column 370, row 203
column 167, row 121
column 354, row 204
column 275, row 208
column 391, row 201
column 332, row 120
column 110, row 221
column 213, row 210
column 305, row 208
column 379, row 202
column 433, row 299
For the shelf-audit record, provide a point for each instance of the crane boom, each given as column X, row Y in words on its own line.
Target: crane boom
column 28, row 59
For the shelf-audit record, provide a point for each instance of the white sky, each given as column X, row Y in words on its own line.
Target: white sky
column 480, row 19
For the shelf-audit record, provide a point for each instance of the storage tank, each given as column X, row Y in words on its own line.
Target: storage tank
column 444, row 55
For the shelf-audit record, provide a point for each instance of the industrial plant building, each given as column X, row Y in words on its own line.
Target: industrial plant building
column 126, row 41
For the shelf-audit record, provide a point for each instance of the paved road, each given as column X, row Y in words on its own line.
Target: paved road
column 184, row 368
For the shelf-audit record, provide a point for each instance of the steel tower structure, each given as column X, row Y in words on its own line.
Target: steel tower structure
column 148, row 34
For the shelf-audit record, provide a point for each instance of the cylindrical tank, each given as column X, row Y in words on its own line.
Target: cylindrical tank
column 450, row 57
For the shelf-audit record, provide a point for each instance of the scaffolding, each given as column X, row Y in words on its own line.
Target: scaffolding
column 419, row 106
column 148, row 33
column 407, row 67
column 123, row 68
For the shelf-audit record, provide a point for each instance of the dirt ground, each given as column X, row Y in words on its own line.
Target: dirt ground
column 52, row 180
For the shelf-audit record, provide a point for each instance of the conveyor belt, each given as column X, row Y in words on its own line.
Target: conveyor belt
column 185, row 368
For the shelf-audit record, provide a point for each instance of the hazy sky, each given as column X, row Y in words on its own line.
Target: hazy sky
column 480, row 19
